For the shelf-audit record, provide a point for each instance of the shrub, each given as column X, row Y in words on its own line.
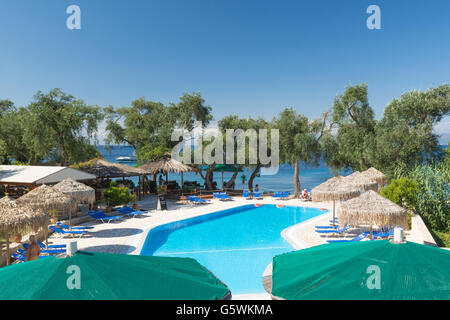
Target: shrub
column 432, row 200
column 402, row 192
column 116, row 195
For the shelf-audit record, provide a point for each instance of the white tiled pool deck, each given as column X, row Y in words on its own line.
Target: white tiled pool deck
column 128, row 236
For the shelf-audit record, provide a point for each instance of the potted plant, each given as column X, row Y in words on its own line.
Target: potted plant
column 160, row 190
column 116, row 195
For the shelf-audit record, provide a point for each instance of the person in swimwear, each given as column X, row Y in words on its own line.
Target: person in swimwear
column 305, row 195
column 34, row 250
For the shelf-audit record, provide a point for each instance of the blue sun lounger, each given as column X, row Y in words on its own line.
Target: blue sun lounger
column 51, row 246
column 246, row 194
column 355, row 239
column 225, row 196
column 99, row 215
column 196, row 200
column 129, row 211
column 338, row 231
column 386, row 234
column 63, row 232
column 257, row 195
column 42, row 245
column 49, row 251
column 67, row 227
column 217, row 196
column 280, row 195
column 222, row 196
column 327, row 227
column 276, row 194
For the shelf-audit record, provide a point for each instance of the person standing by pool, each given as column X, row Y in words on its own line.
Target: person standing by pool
column 34, row 250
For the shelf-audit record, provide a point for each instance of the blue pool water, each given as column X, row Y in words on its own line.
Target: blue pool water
column 235, row 244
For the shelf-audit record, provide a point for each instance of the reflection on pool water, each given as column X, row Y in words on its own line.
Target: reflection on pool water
column 235, row 244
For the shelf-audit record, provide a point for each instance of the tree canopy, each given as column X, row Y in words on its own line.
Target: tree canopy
column 403, row 137
column 54, row 127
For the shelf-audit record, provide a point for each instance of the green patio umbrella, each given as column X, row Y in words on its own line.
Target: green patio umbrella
column 90, row 276
column 366, row 270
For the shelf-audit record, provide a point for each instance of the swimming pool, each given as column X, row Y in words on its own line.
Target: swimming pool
column 235, row 244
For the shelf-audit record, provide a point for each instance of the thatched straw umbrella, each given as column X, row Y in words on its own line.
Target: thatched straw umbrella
column 77, row 190
column 360, row 181
column 165, row 165
column 375, row 175
column 14, row 217
column 106, row 169
column 334, row 189
column 48, row 198
column 370, row 208
column 6, row 199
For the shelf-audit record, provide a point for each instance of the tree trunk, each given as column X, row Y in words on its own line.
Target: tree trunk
column 297, row 179
column 362, row 163
column 233, row 178
column 209, row 177
column 62, row 150
column 252, row 177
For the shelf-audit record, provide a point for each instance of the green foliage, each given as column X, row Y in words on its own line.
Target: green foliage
column 69, row 122
column 405, row 133
column 116, row 195
column 432, row 200
column 447, row 156
column 299, row 140
column 402, row 192
column 147, row 126
column 20, row 163
column 442, row 238
column 351, row 146
column 55, row 126
column 251, row 155
column 402, row 139
column 150, row 154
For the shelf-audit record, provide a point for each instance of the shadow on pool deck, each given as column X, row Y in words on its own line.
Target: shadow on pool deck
column 116, row 232
column 110, row 248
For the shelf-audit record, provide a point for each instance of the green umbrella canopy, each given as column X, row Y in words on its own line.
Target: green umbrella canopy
column 352, row 270
column 110, row 276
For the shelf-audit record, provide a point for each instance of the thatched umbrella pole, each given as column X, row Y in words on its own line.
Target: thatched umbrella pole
column 7, row 246
column 46, row 237
column 334, row 189
column 373, row 209
column 334, row 212
column 70, row 219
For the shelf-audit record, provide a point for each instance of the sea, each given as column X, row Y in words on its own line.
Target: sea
column 283, row 180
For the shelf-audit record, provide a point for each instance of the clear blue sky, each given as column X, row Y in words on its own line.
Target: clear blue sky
column 245, row 57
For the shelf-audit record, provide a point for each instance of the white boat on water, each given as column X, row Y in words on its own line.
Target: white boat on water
column 126, row 159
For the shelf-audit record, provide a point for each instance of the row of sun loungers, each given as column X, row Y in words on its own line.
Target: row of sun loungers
column 246, row 194
column 65, row 230
column 335, row 230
